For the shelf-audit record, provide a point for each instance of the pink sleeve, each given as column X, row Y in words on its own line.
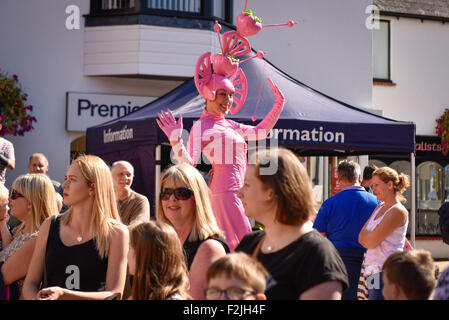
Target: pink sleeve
column 192, row 153
column 262, row 130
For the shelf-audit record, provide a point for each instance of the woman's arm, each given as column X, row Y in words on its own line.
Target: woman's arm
column 16, row 266
column 329, row 290
column 209, row 251
column 115, row 276
column 392, row 220
column 173, row 130
column 36, row 269
column 262, row 130
column 6, row 234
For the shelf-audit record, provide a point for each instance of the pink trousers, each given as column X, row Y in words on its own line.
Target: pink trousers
column 230, row 216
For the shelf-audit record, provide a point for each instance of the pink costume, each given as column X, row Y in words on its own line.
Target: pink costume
column 222, row 141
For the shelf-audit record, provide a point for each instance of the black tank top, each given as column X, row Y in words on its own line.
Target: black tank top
column 191, row 247
column 77, row 267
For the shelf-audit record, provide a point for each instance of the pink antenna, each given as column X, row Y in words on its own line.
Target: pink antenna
column 290, row 24
column 217, row 28
column 246, row 2
column 260, row 55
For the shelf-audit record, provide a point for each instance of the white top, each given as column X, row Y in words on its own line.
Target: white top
column 376, row 257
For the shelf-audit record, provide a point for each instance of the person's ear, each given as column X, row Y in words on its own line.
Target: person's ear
column 92, row 189
column 261, row 296
column 396, row 291
column 270, row 194
column 390, row 185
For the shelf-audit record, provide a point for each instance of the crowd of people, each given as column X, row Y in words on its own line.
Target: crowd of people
column 106, row 245
column 93, row 237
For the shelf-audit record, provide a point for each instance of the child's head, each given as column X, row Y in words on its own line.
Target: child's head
column 156, row 260
column 238, row 276
column 408, row 275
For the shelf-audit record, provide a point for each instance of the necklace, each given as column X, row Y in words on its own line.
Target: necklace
column 269, row 248
column 79, row 238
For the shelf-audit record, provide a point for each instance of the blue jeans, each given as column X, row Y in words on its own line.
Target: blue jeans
column 352, row 258
column 375, row 285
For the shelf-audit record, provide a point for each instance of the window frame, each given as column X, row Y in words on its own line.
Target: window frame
column 389, row 55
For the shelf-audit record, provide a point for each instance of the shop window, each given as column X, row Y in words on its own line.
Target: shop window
column 77, row 147
column 377, row 163
column 429, row 197
column 404, row 167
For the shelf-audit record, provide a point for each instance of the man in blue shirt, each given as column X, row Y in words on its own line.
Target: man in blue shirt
column 341, row 218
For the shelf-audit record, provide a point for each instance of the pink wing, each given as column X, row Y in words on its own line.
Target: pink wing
column 203, row 72
column 238, row 79
column 235, row 44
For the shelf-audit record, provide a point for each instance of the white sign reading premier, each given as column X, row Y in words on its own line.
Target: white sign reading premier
column 86, row 109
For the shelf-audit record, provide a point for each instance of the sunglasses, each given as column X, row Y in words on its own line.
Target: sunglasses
column 15, row 195
column 180, row 193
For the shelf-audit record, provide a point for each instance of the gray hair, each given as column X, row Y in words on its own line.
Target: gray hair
column 123, row 163
column 348, row 170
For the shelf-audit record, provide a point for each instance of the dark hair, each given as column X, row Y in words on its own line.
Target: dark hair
column 368, row 171
column 413, row 271
column 290, row 183
column 348, row 170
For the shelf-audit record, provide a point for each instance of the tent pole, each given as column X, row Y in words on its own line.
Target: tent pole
column 325, row 178
column 157, row 175
column 413, row 185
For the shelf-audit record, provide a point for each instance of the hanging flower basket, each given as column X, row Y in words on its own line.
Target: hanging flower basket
column 14, row 112
column 442, row 130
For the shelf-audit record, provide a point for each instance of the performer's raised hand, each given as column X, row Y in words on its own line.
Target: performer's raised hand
column 278, row 94
column 171, row 127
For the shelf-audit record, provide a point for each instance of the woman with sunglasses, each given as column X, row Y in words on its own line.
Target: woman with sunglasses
column 81, row 254
column 156, row 260
column 184, row 203
column 32, row 200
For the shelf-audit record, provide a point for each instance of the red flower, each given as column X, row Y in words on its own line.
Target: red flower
column 14, row 114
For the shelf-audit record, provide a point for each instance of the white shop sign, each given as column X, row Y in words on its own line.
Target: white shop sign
column 86, row 109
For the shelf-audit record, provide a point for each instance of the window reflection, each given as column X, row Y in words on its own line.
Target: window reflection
column 403, row 166
column 430, row 195
column 446, row 183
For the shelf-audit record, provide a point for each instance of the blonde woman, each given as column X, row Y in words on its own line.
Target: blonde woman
column 384, row 232
column 184, row 203
column 81, row 254
column 32, row 200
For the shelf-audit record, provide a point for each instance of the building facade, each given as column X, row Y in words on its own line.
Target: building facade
column 108, row 53
column 410, row 68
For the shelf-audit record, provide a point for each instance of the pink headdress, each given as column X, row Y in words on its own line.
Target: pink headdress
column 223, row 72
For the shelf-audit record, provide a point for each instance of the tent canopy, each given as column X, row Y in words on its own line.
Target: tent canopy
column 311, row 122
